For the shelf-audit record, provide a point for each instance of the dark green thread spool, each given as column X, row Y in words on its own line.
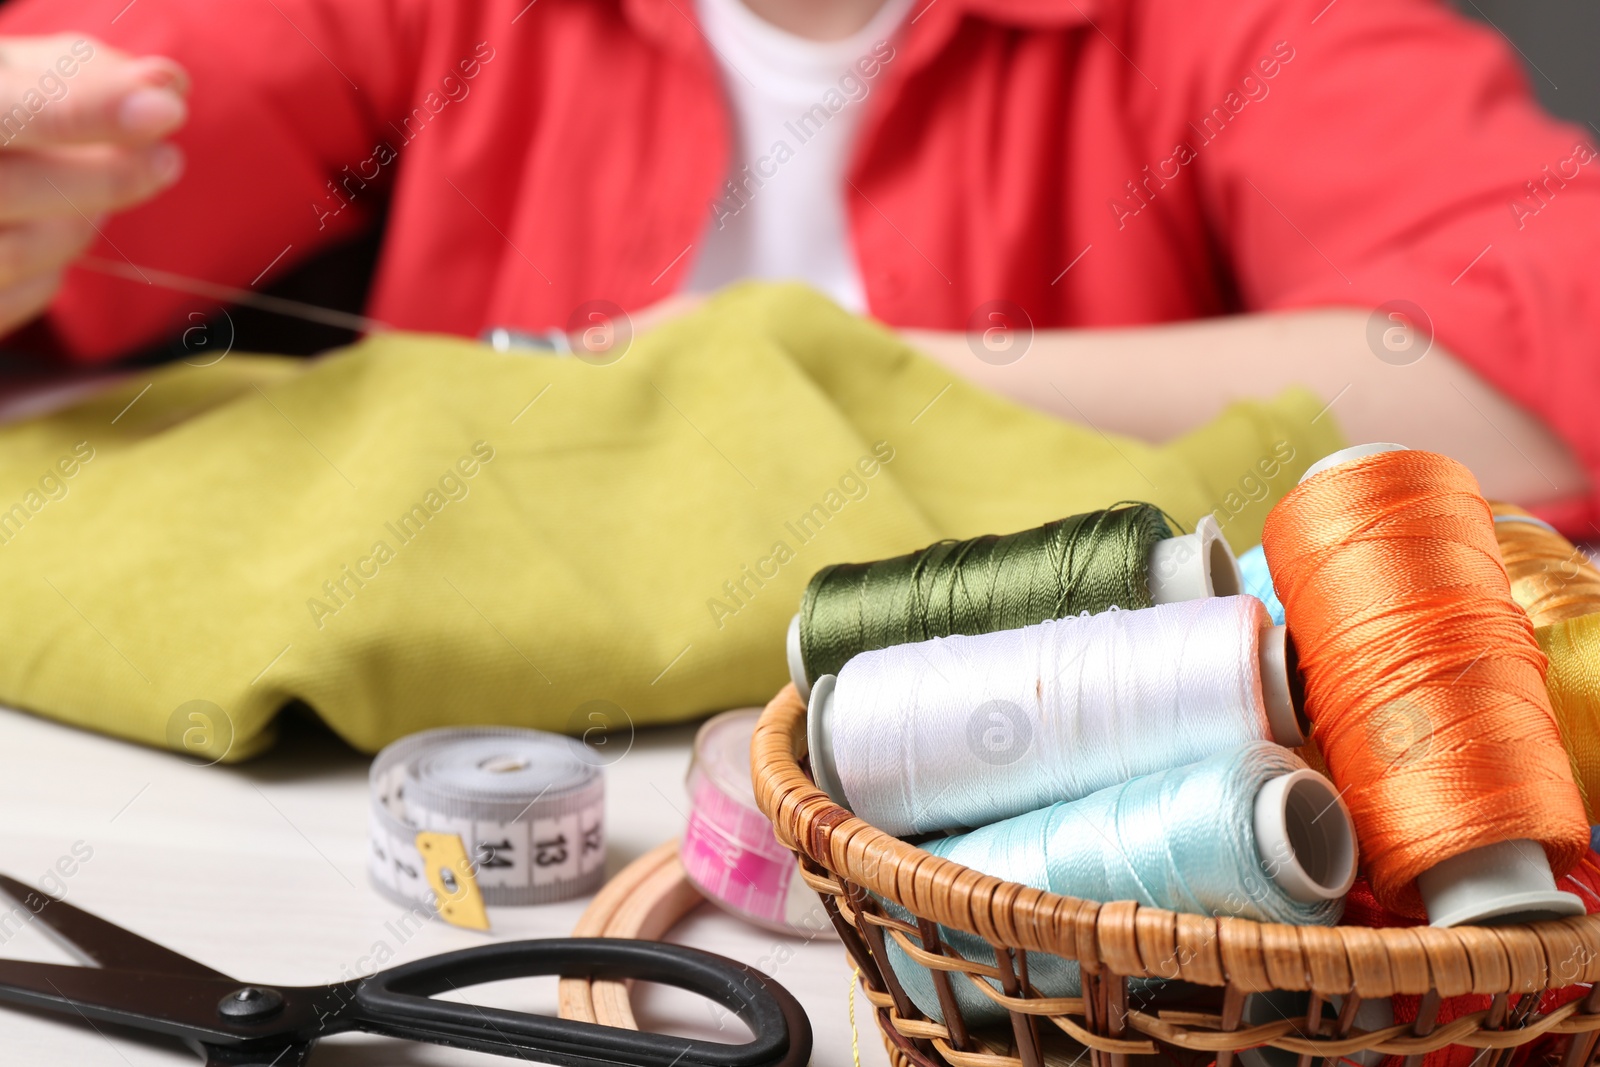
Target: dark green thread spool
column 1125, row 557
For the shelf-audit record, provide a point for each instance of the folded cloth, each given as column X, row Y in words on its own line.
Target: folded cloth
column 417, row 531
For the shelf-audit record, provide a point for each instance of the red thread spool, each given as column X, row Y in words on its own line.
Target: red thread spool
column 1425, row 687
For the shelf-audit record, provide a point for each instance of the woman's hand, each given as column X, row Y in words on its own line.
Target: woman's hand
column 81, row 136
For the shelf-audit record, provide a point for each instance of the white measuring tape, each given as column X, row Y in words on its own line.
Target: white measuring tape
column 529, row 808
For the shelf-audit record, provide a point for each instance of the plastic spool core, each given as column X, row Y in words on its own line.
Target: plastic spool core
column 1304, row 836
column 1193, row 566
column 797, row 662
column 1345, row 455
column 1284, row 715
column 1529, row 520
column 819, row 740
column 1506, row 882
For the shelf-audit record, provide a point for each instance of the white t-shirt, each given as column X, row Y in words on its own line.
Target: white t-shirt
column 796, row 105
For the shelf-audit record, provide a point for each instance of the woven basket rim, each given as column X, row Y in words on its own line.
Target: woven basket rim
column 1129, row 939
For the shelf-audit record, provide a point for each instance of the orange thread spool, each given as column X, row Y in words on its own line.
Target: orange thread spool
column 1550, row 577
column 1424, row 684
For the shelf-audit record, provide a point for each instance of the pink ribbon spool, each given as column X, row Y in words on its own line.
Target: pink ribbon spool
column 729, row 851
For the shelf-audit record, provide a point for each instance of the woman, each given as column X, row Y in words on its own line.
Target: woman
column 1123, row 211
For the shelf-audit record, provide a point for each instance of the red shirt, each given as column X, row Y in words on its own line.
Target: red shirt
column 1097, row 162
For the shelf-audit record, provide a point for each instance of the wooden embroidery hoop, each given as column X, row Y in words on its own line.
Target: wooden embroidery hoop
column 646, row 899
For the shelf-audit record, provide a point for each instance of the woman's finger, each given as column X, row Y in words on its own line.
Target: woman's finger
column 84, row 181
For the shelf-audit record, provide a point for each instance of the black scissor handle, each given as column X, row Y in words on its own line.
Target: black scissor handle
column 399, row 1002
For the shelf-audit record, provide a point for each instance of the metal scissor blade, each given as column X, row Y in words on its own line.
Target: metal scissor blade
column 90, row 992
column 102, row 942
column 180, row 1007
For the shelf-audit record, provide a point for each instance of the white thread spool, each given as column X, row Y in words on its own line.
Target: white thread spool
column 1506, row 882
column 1186, row 567
column 903, row 735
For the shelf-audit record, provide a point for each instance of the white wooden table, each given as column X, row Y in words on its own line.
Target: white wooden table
column 259, row 871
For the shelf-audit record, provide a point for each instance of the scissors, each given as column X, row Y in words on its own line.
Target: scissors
column 143, row 985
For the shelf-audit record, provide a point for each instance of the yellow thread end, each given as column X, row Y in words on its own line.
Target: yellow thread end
column 855, row 1036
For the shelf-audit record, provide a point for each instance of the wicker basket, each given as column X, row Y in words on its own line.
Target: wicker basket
column 1216, row 961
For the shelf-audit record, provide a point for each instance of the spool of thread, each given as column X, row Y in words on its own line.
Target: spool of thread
column 1257, row 578
column 1123, row 557
column 1560, row 590
column 1550, row 577
column 1424, row 687
column 1573, row 682
column 1249, row 833
column 962, row 731
column 729, row 850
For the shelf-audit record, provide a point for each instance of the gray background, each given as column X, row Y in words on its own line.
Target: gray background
column 1558, row 40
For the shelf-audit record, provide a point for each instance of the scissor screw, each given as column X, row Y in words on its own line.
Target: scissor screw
column 250, row 1002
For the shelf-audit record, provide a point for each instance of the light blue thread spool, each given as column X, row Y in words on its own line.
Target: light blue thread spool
column 1258, row 582
column 1250, row 833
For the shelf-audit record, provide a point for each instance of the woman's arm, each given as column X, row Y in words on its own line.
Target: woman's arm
column 1157, row 382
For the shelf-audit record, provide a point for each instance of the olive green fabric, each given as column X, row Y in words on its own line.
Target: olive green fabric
column 418, row 531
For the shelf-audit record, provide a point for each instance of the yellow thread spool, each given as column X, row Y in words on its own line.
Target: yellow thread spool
column 1573, row 680
column 1560, row 590
column 1551, row 578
